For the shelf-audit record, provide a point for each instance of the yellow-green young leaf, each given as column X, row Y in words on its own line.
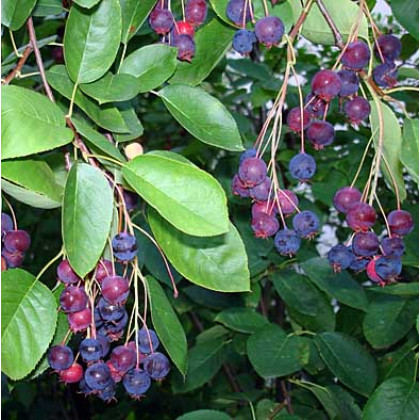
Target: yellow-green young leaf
column 15, row 12
column 31, row 123
column 410, row 148
column 28, row 320
column 91, row 40
column 87, row 215
column 189, row 198
column 167, row 325
column 217, row 263
column 204, row 116
column 134, row 13
column 391, row 144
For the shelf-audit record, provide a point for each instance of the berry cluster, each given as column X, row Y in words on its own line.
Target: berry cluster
column 387, row 49
column 15, row 242
column 268, row 30
column 179, row 34
column 268, row 202
column 380, row 258
column 97, row 306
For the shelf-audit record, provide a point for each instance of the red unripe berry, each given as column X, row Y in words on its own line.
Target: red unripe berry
column 184, row 28
column 356, row 55
column 326, row 84
column 361, row 217
column 288, row 201
column 66, row 274
column 71, row 375
column 372, row 274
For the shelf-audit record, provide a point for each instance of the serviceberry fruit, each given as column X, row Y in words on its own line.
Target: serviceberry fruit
column 116, row 374
column 71, row 375
column 385, row 74
column 320, row 134
column 361, row 217
column 109, row 311
column 243, row 41
column 306, row 224
column 252, row 171
column 356, row 56
column 156, row 365
column 147, row 340
column 13, row 259
column 393, row 246
column 196, row 12
column 184, row 28
column 295, row 121
column 60, row 357
column 6, row 224
column 239, row 188
column 66, row 274
column 349, row 82
column 249, row 153
column 103, row 269
column 90, row 349
column 288, row 201
column 315, row 106
column 345, row 198
column 98, row 376
column 264, row 225
column 287, row 242
column 123, row 358
column 269, row 30
column 263, row 207
column 17, row 241
column 388, row 268
column 73, row 299
column 136, row 382
column 185, row 45
column 340, row 257
column 124, row 246
column 357, row 109
column 372, row 274
column 108, row 393
column 115, row 289
column 235, row 11
column 359, row 264
column 131, row 200
column 161, row 20
column 390, row 47
column 261, row 192
column 80, row 320
column 365, row 244
column 302, row 166
column 400, row 222
column 326, row 84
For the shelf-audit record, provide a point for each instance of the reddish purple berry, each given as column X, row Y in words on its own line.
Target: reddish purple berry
column 385, row 74
column 235, row 11
column 73, row 299
column 361, row 217
column 263, row 207
column 326, row 84
column 66, row 274
column 196, row 12
column 298, row 119
column 185, row 45
column 288, row 201
column 287, row 242
column 302, row 167
column 239, row 188
column 13, row 259
column 252, row 171
column 79, row 321
column 390, row 47
column 357, row 109
column 115, row 289
column 17, row 241
column 315, row 106
column 356, row 55
column 249, row 153
column 161, row 20
column 345, row 198
column 261, row 192
column 372, row 274
column 269, row 30
column 393, row 246
column 349, row 82
column 400, row 222
column 264, row 225
column 103, row 269
column 123, row 358
column 320, row 134
column 365, row 244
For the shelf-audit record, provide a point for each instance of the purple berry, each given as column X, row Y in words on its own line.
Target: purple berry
column 17, row 241
column 400, row 222
column 340, row 257
column 110, row 312
column 6, row 224
column 356, row 55
column 388, row 268
column 390, row 47
column 123, row 358
column 124, row 246
column 252, row 171
column 13, row 259
column 98, row 376
column 357, row 109
column 147, row 340
column 243, row 41
column 345, row 198
column 393, row 246
column 269, row 30
column 385, row 74
column 66, row 274
column 263, row 207
column 264, row 225
column 60, row 357
column 315, row 106
column 249, row 153
column 185, row 45
column 320, row 134
column 196, row 12
column 261, row 192
column 73, row 299
column 80, row 320
column 136, row 382
column 359, row 264
column 235, row 11
column 103, row 269
column 156, row 365
column 108, row 393
column 326, row 84
column 365, row 244
column 349, row 82
column 306, row 224
column 239, row 188
column 161, row 20
column 287, row 242
column 90, row 349
column 361, row 217
column 294, row 119
column 288, row 201
column 131, row 200
column 302, row 166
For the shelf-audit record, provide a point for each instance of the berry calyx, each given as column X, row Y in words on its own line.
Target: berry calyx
column 326, row 84
column 185, row 45
column 400, row 222
column 269, row 30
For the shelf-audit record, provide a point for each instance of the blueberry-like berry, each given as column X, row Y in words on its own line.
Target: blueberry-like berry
column 345, row 198
column 123, row 358
column 17, row 241
column 252, row 171
column 80, row 320
column 156, row 365
column 361, row 217
column 359, row 264
column 340, row 257
column 136, row 382
column 306, row 224
column 320, row 134
column 98, row 376
column 161, row 20
column 302, row 166
column 147, row 340
column 287, row 242
column 13, row 259
column 385, row 74
column 105, row 344
column 326, row 84
column 131, row 200
column 109, row 311
column 400, row 222
column 239, row 188
column 118, row 325
column 184, row 28
column 71, row 375
column 269, row 30
column 372, row 274
column 60, row 357
column 288, row 201
column 365, row 244
column 73, row 299
column 263, row 207
column 298, row 118
column 6, row 224
column 243, row 41
column 235, row 11
column 196, row 12
column 315, row 106
column 393, row 246
column 249, row 153
column 356, row 55
column 83, row 387
column 357, row 109
column 349, row 82
column 103, row 269
column 124, row 246
column 264, row 225
column 117, row 376
column 388, row 268
column 185, row 45
column 108, row 393
column 261, row 192
column 90, row 349
column 390, row 47
column 66, row 274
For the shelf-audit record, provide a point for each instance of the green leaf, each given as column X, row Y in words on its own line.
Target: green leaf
column 217, row 263
column 106, row 116
column 407, row 12
column 132, row 121
column 91, row 40
column 31, row 123
column 14, row 13
column 399, row 289
column 111, row 88
column 35, row 176
column 151, row 66
column 202, row 115
column 204, row 361
column 211, row 44
column 48, row 8
column 340, row 286
column 189, row 198
column 134, row 13
column 28, row 319
column 388, row 319
column 410, row 148
column 86, row 3
column 87, row 215
column 167, row 325
column 391, row 144
column 244, row 320
column 272, row 353
column 401, row 362
column 395, row 399
column 344, row 14
column 348, row 360
column 204, row 415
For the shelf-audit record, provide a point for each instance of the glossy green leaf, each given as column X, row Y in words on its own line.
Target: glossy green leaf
column 407, row 12
column 48, row 8
column 87, row 215
column 28, row 320
column 129, row 115
column 399, row 289
column 211, row 44
column 202, row 115
column 388, row 319
column 91, row 40
column 410, row 148
column 111, row 88
column 244, row 320
column 167, row 325
column 87, row 3
column 340, row 286
column 395, row 399
column 14, row 13
column 35, row 176
column 401, row 362
column 204, row 415
column 217, row 263
column 391, row 144
column 31, row 123
column 151, row 66
column 344, row 13
column 134, row 13
column 106, row 116
column 189, row 198
column 272, row 353
column 348, row 361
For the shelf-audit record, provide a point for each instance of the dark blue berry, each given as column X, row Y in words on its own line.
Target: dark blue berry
column 156, row 365
column 385, row 74
column 340, row 257
column 393, row 247
column 124, row 246
column 235, row 11
column 239, row 188
column 108, row 393
column 136, row 383
column 306, row 224
column 365, row 244
column 90, row 349
column 287, row 242
column 269, row 30
column 388, row 268
column 261, row 192
column 243, row 41
column 119, row 325
column 110, row 312
column 359, row 264
column 249, row 153
column 105, row 344
column 60, row 357
column 349, row 82
column 302, row 166
column 147, row 340
column 98, row 376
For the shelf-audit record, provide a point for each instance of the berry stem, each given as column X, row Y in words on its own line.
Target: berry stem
column 363, row 159
column 336, row 33
column 49, row 263
column 16, row 71
column 12, row 40
column 11, row 212
column 383, row 215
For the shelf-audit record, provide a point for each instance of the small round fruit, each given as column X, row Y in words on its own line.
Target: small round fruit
column 261, row 192
column 13, row 259
column 108, row 393
column 73, row 299
column 390, row 47
column 98, row 376
column 239, row 188
column 361, row 217
column 287, row 242
column 235, row 11
column 356, row 56
column 79, row 321
column 115, row 289
column 393, row 246
column 196, row 12
column 103, row 269
column 147, row 340
column 156, row 365
column 306, row 224
column 288, row 201
column 400, row 222
column 17, row 241
column 60, row 357
column 136, row 383
column 90, row 349
column 71, row 375
column 349, row 82
column 252, row 171
column 123, row 358
column 298, row 119
column 359, row 264
column 184, row 28
column 186, row 47
column 269, row 30
column 66, row 274
column 320, row 134
column 264, row 225
column 326, row 84
column 263, row 207
column 124, row 246
column 345, row 198
column 243, row 41
column 302, row 167
column 249, row 153
column 357, row 109
column 340, row 257
column 385, row 74
column 161, row 20
column 365, row 244
column 372, row 274
column 388, row 268
column 110, row 312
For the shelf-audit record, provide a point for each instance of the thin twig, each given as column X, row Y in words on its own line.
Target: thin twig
column 336, row 33
column 19, row 66
column 286, row 397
